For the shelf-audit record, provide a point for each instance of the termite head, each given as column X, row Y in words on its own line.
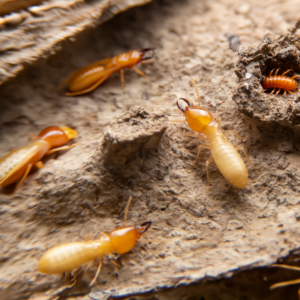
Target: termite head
column 123, row 239
column 57, row 136
column 71, row 133
column 197, row 117
column 146, row 54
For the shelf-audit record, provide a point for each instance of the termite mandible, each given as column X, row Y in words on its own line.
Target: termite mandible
column 90, row 77
column 18, row 163
column 66, row 257
column 224, row 154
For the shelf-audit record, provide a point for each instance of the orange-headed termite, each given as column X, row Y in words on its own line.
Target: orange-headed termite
column 280, row 82
column 286, row 283
column 224, row 154
column 18, row 163
column 67, row 257
column 88, row 78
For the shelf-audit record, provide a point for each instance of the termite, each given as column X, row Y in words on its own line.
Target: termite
column 224, row 154
column 18, row 163
column 90, row 77
column 66, row 257
column 286, row 283
column 280, row 82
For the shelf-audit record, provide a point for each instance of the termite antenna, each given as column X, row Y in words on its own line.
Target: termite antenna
column 126, row 209
column 197, row 92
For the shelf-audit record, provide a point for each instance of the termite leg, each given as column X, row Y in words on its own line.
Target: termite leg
column 284, row 93
column 32, row 136
column 296, row 76
column 40, row 164
column 69, row 279
column 286, row 267
column 272, row 92
column 218, row 119
column 140, row 72
column 104, row 233
column 177, row 121
column 23, row 178
column 116, row 263
column 60, row 148
column 205, row 146
column 284, row 283
column 271, row 72
column 277, row 92
column 122, row 79
column 245, row 152
column 97, row 273
column 91, row 88
column 199, row 136
column 294, row 92
column 287, row 72
column 126, row 210
column 277, row 71
column 66, row 276
column 208, row 162
column 236, row 134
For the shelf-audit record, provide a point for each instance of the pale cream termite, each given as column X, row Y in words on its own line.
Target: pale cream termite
column 69, row 256
column 224, row 154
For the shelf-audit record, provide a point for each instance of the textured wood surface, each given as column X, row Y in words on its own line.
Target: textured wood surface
column 127, row 145
column 37, row 31
column 9, row 6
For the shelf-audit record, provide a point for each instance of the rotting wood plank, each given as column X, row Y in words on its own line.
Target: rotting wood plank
column 37, row 31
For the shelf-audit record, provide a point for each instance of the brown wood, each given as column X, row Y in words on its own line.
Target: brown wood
column 33, row 33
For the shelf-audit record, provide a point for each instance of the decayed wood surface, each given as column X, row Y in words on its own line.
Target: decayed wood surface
column 9, row 6
column 35, row 32
column 128, row 146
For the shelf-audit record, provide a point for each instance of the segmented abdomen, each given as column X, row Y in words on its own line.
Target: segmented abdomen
column 228, row 160
column 66, row 257
column 8, row 162
column 280, row 82
column 84, row 78
column 14, row 164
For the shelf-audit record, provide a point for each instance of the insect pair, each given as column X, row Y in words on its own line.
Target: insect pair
column 67, row 257
column 17, row 164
